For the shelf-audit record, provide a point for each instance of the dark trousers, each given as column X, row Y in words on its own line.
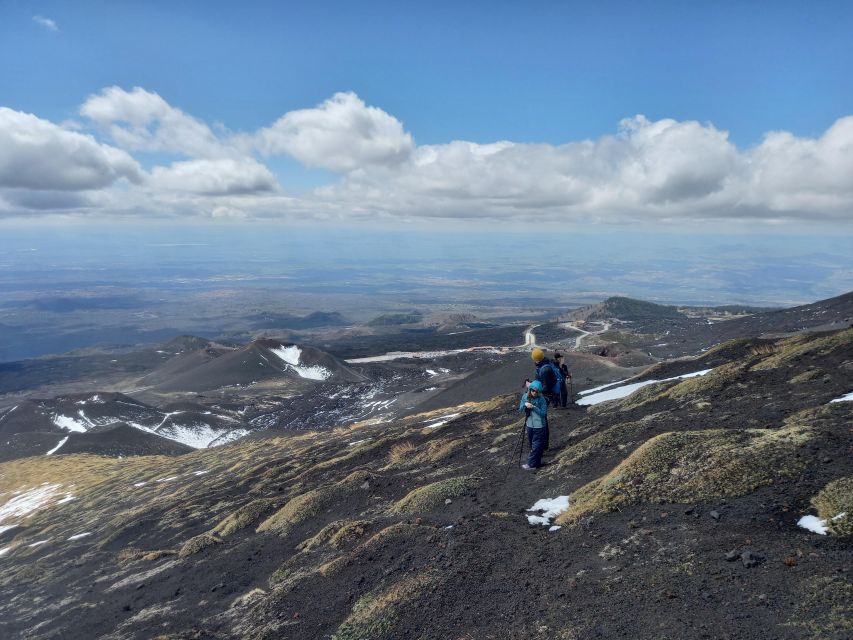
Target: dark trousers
column 537, row 439
column 564, row 394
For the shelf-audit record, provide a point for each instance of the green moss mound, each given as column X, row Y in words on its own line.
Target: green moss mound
column 374, row 614
column 834, row 504
column 198, row 543
column 308, row 505
column 692, row 466
column 790, row 349
column 433, row 495
column 244, row 516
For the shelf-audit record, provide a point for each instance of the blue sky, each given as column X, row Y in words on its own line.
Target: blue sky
column 353, row 111
column 529, row 72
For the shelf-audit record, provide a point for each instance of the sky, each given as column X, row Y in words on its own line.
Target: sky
column 674, row 116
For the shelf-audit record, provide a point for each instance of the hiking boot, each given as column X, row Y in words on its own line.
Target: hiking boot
column 527, row 467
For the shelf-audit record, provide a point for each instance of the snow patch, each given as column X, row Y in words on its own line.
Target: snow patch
column 443, row 420
column 26, row 503
column 69, row 424
column 626, row 390
column 57, row 447
column 814, row 524
column 79, row 535
column 550, row 508
column 38, row 543
column 291, row 355
column 847, row 397
column 5, row 550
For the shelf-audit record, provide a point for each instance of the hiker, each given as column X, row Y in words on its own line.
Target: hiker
column 549, row 375
column 536, row 408
column 560, row 361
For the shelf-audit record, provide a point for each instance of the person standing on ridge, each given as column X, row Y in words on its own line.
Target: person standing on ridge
column 559, row 360
column 535, row 407
column 549, row 375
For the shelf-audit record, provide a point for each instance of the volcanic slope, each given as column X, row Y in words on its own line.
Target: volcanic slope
column 681, row 521
column 90, row 423
column 665, row 332
column 260, row 361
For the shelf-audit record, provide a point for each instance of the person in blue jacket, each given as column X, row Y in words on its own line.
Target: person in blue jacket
column 536, row 408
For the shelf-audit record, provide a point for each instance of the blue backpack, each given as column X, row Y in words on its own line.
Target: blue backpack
column 558, row 376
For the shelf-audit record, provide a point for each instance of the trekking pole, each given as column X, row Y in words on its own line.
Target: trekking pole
column 519, row 448
column 571, row 391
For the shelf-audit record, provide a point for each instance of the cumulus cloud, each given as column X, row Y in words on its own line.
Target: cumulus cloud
column 645, row 171
column 37, row 154
column 341, row 134
column 47, row 23
column 141, row 120
column 225, row 176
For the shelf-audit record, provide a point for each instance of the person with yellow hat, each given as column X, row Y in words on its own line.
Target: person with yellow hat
column 549, row 375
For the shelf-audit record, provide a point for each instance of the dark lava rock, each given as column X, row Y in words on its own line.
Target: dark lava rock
column 751, row 559
column 715, row 514
column 731, row 556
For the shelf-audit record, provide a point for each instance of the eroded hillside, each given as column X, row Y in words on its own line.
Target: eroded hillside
column 684, row 499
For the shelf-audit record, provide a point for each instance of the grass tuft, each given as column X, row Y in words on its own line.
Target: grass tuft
column 691, row 466
column 198, row 543
column 433, row 495
column 836, row 499
column 374, row 614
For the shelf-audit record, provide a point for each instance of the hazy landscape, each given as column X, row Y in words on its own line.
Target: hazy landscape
column 280, row 286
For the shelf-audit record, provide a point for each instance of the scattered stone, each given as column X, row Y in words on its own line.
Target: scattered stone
column 790, row 561
column 750, row 559
column 731, row 556
column 687, row 512
column 365, row 485
column 447, row 501
column 715, row 514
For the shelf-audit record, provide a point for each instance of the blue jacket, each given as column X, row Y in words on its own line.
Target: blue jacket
column 538, row 414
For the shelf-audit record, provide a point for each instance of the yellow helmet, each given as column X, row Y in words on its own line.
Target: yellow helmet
column 537, row 354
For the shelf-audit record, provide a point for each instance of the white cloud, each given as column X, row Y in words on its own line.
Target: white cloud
column 141, row 120
column 341, row 134
column 47, row 23
column 225, row 176
column 646, row 171
column 37, row 154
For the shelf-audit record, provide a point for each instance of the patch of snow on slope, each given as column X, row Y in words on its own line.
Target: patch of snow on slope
column 80, row 535
column 57, row 447
column 314, row 372
column 426, row 355
column 848, row 397
column 26, row 502
column 550, row 509
column 815, row 524
column 291, row 356
column 626, row 390
column 443, row 420
column 70, row 424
